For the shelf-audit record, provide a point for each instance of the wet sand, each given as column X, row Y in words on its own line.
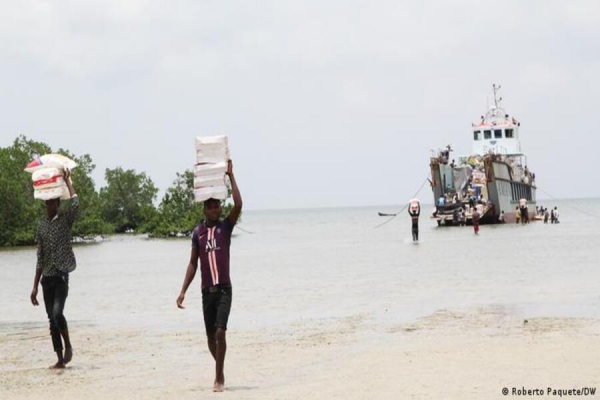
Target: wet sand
column 470, row 354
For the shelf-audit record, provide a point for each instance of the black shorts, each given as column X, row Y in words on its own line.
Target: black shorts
column 216, row 305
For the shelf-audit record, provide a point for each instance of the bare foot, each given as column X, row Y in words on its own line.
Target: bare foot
column 218, row 387
column 68, row 355
column 58, row 365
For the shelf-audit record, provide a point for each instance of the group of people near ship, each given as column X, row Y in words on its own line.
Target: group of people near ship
column 459, row 208
column 542, row 213
column 476, row 203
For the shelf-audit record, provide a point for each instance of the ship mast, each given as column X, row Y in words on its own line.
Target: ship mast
column 497, row 99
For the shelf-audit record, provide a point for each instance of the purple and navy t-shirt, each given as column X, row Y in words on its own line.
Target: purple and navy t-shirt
column 213, row 252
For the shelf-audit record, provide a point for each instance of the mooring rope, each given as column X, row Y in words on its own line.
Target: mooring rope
column 568, row 206
column 404, row 208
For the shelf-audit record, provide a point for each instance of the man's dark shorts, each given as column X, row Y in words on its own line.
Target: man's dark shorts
column 216, row 305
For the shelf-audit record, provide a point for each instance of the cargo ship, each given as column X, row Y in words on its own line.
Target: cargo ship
column 495, row 178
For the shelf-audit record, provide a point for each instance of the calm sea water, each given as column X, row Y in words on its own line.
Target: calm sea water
column 327, row 264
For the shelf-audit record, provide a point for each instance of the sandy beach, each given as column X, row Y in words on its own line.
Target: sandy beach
column 450, row 355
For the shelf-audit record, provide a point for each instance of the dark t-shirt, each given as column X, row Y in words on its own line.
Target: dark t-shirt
column 55, row 255
column 213, row 252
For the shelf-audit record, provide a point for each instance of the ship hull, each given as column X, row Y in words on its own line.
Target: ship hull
column 501, row 187
column 506, row 192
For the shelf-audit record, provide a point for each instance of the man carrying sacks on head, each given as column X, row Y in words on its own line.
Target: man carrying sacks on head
column 210, row 244
column 55, row 260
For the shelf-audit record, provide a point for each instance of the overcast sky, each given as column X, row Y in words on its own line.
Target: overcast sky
column 326, row 103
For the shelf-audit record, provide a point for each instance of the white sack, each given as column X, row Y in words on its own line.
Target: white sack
column 209, row 180
column 210, row 169
column 211, row 140
column 215, row 192
column 51, row 161
column 212, row 149
column 211, row 154
column 522, row 202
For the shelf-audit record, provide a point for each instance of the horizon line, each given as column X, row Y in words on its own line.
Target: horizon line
column 325, row 207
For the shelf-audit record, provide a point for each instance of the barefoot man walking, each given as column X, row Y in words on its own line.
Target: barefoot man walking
column 210, row 244
column 55, row 260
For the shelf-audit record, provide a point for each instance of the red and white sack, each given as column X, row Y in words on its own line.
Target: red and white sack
column 210, row 192
column 212, row 149
column 61, row 192
column 50, row 161
column 47, row 178
column 414, row 206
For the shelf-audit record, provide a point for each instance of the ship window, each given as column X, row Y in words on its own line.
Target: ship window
column 497, row 133
column 508, row 133
column 487, row 134
column 477, row 135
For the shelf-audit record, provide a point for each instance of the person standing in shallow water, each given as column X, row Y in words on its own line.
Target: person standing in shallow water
column 475, row 217
column 210, row 244
column 414, row 210
column 55, row 260
column 501, row 218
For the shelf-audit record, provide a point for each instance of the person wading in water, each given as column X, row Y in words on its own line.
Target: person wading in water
column 414, row 210
column 475, row 218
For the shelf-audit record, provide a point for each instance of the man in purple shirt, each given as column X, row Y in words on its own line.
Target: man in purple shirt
column 210, row 244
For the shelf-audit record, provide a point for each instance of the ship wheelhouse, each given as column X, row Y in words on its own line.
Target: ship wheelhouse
column 496, row 133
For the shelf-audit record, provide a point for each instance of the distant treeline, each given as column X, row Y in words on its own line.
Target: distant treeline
column 125, row 203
